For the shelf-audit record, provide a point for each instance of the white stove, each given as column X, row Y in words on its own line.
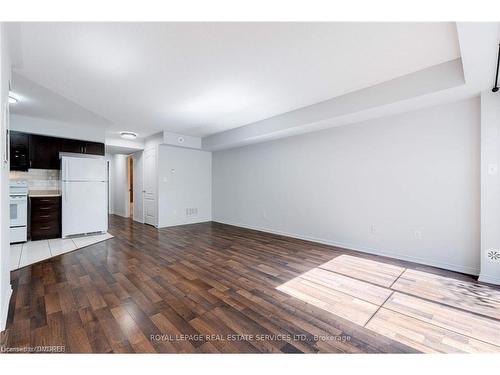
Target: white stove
column 18, row 211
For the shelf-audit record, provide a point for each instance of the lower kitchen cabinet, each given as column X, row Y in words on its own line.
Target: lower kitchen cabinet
column 45, row 218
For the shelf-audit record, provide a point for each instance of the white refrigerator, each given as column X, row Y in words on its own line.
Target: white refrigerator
column 84, row 200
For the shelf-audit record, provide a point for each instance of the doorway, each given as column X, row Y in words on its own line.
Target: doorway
column 126, row 185
column 130, row 182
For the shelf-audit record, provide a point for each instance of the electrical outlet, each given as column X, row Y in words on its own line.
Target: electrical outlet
column 191, row 211
column 418, row 234
column 373, row 229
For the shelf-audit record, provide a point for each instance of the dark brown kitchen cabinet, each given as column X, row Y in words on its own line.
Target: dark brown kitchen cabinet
column 72, row 145
column 19, row 151
column 44, row 152
column 82, row 147
column 45, row 218
column 94, row 148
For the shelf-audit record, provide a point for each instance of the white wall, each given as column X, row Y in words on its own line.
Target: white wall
column 185, row 181
column 5, row 74
column 490, row 185
column 56, row 128
column 417, row 171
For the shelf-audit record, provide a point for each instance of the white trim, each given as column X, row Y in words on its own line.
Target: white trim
column 489, row 279
column 5, row 310
column 363, row 249
column 180, row 223
column 120, row 214
column 137, row 220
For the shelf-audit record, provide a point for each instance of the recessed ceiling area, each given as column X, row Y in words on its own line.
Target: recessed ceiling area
column 203, row 78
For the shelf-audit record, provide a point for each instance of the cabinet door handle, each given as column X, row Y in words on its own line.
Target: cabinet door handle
column 44, row 215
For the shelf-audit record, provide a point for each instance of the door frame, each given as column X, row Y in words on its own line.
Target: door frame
column 155, row 184
column 130, row 178
column 138, row 164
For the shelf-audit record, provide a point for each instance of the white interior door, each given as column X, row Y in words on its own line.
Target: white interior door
column 150, row 187
column 138, row 187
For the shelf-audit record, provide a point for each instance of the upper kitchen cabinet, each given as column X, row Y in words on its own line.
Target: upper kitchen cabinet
column 44, row 152
column 19, row 151
column 72, row 145
column 94, row 148
column 82, row 147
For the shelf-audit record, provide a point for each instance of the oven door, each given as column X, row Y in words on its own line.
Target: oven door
column 18, row 210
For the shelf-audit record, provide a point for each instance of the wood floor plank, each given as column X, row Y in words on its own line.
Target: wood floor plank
column 468, row 324
column 474, row 297
column 348, row 307
column 111, row 330
column 167, row 328
column 139, row 342
column 345, row 284
column 76, row 337
column 375, row 272
column 52, row 304
column 423, row 336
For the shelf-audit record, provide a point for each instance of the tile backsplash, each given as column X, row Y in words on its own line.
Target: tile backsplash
column 39, row 179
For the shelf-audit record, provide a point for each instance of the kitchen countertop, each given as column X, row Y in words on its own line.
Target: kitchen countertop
column 44, row 193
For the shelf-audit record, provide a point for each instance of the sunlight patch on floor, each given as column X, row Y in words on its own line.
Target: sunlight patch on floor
column 427, row 312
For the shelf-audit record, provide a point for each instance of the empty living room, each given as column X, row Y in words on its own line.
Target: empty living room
column 191, row 185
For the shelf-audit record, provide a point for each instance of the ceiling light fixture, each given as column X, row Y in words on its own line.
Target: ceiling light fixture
column 128, row 135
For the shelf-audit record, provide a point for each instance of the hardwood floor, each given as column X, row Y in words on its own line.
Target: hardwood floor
column 208, row 288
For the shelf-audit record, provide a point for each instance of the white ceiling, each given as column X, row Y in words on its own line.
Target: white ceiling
column 204, row 78
column 37, row 101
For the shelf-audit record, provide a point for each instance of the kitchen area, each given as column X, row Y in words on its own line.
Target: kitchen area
column 58, row 196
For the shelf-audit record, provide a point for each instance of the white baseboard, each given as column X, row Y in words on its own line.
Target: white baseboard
column 489, row 279
column 5, row 310
column 428, row 262
column 195, row 221
column 121, row 214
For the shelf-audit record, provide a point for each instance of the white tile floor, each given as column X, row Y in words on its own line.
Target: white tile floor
column 30, row 252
